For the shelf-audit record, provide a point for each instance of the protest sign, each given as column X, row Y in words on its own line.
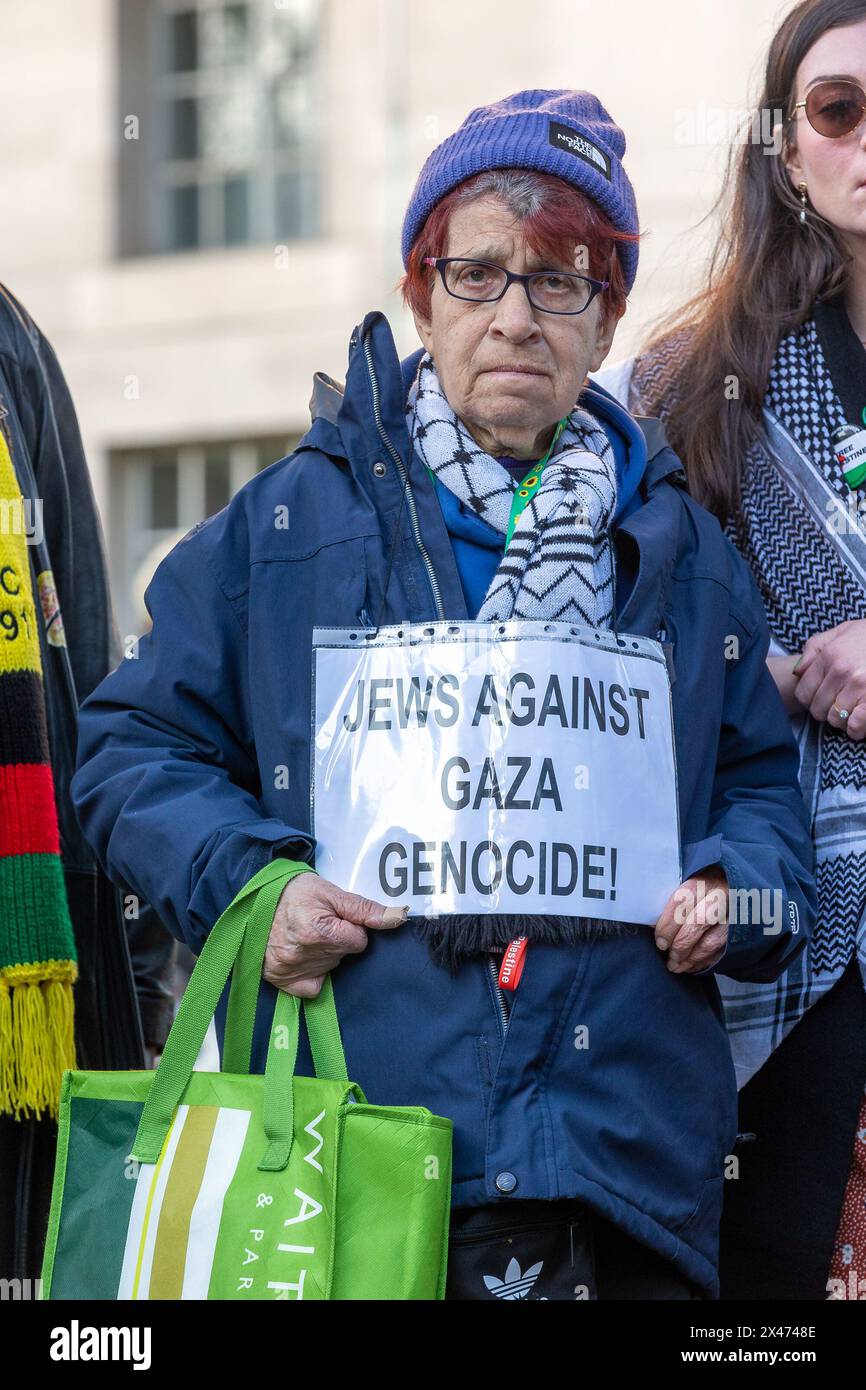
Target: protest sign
column 517, row 767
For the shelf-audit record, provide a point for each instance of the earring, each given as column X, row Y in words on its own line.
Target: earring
column 802, row 188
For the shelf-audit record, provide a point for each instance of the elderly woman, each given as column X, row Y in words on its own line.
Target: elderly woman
column 593, row 1121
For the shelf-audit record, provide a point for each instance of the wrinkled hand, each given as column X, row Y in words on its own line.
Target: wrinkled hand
column 316, row 924
column 694, row 922
column 833, row 668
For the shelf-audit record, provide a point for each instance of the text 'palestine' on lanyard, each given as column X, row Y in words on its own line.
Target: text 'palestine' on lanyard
column 529, row 486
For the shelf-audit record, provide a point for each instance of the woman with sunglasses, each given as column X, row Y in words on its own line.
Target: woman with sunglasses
column 761, row 382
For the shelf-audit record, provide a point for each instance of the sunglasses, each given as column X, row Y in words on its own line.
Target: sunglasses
column 834, row 108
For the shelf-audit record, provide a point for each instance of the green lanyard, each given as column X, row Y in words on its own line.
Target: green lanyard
column 530, row 484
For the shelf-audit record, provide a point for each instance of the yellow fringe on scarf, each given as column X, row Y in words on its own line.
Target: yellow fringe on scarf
column 37, row 1042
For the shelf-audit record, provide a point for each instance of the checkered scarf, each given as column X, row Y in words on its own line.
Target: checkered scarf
column 559, row 563
column 812, row 576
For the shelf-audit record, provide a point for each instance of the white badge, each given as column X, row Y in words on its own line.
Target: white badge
column 849, row 446
column 517, row 767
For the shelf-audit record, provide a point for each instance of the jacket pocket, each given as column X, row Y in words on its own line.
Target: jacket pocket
column 328, row 587
column 706, row 1213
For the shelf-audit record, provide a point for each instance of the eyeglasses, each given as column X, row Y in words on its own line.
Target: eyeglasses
column 482, row 282
column 834, row 108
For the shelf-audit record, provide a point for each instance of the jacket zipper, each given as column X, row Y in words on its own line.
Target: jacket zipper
column 431, row 573
column 500, row 997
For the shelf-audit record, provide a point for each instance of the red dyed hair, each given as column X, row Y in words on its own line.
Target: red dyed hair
column 567, row 220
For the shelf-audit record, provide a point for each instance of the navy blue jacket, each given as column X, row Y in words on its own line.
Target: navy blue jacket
column 177, row 788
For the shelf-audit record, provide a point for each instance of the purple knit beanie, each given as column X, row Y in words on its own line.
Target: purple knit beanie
column 564, row 133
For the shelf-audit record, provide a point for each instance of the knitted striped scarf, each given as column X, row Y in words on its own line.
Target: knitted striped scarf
column 37, row 946
column 560, row 562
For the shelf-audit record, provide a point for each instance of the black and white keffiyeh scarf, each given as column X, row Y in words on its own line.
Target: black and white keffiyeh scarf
column 558, row 565
column 806, row 547
column 560, row 562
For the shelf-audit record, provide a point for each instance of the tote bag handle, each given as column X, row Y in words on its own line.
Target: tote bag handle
column 320, row 1014
column 236, row 946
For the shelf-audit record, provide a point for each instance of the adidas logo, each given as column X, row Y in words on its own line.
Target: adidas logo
column 515, row 1284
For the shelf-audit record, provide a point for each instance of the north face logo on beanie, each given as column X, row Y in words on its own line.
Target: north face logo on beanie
column 564, row 138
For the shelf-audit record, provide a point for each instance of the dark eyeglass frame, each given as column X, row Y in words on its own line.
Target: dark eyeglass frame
column 820, row 86
column 440, row 262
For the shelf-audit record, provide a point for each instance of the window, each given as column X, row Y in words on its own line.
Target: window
column 222, row 148
column 158, row 494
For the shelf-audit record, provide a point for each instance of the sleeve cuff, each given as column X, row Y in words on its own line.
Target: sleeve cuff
column 746, row 938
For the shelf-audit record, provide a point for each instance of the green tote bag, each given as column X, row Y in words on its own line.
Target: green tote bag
column 183, row 1184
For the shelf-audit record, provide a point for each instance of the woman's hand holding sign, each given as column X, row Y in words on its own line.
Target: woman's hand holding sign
column 694, row 922
column 315, row 925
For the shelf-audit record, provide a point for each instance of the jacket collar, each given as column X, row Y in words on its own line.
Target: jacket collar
column 346, row 415
column 328, row 403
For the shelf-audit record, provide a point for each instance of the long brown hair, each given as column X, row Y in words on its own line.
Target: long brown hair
column 765, row 274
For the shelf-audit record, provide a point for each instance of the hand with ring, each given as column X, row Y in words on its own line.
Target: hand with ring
column 831, row 677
